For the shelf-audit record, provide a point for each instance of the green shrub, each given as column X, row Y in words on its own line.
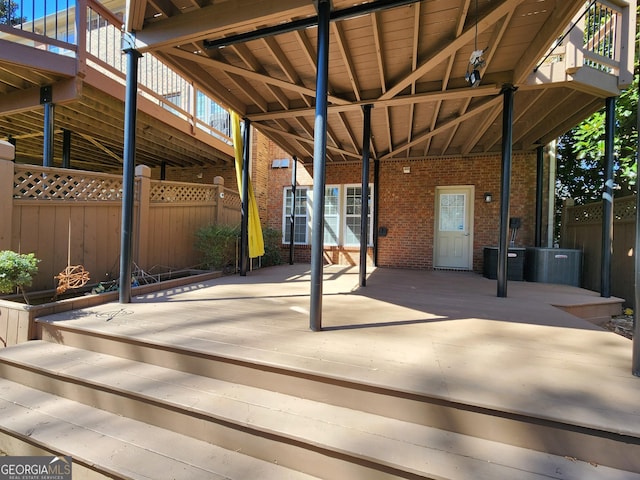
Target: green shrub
column 217, row 243
column 16, row 271
column 272, row 249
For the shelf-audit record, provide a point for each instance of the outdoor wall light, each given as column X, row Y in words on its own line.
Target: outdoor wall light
column 488, row 197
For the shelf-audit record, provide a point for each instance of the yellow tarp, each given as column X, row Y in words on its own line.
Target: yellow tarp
column 256, row 242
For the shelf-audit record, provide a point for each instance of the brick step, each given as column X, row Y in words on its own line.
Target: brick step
column 541, row 430
column 315, row 438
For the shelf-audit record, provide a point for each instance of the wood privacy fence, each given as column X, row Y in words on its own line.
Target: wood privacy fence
column 582, row 228
column 72, row 217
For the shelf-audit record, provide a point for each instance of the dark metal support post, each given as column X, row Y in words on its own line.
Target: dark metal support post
column 364, row 212
column 244, row 225
column 47, row 154
column 66, row 148
column 507, row 147
column 128, row 173
column 539, row 188
column 163, row 171
column 607, row 198
column 635, row 358
column 292, row 220
column 319, row 166
column 376, row 182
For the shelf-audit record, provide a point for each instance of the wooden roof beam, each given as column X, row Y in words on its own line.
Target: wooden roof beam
column 427, row 97
column 557, row 21
column 346, row 57
column 209, row 62
column 445, row 50
column 445, row 125
column 216, row 20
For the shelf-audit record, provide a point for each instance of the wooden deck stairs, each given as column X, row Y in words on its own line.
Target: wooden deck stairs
column 131, row 409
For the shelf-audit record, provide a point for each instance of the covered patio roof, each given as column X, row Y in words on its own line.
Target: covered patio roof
column 408, row 59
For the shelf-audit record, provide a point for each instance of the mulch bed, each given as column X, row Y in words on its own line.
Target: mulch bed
column 621, row 324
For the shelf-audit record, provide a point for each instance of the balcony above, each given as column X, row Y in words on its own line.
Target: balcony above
column 177, row 124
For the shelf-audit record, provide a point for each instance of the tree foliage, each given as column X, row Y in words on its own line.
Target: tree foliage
column 8, row 10
column 580, row 152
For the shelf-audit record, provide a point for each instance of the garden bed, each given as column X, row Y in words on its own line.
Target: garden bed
column 17, row 319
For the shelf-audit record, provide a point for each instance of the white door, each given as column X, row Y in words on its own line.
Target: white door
column 453, row 246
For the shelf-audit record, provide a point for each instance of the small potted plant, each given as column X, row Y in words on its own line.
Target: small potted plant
column 17, row 271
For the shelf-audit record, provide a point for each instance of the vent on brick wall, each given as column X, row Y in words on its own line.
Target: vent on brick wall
column 281, row 163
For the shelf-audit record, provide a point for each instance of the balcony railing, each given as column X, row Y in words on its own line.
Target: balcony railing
column 600, row 37
column 53, row 25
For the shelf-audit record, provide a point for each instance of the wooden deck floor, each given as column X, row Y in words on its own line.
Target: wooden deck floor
column 445, row 334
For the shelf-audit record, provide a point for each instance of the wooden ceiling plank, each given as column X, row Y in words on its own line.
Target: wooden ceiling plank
column 491, row 103
column 284, row 64
column 249, row 91
column 258, row 77
column 308, row 141
column 494, row 41
column 480, row 129
column 345, row 125
column 440, row 52
column 307, row 49
column 250, row 60
column 340, row 39
column 218, row 20
column 558, row 20
column 516, row 119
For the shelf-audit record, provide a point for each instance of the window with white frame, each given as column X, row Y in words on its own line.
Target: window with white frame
column 332, row 215
column 342, row 211
column 301, row 227
column 353, row 213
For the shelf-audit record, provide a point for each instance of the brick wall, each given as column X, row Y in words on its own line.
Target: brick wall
column 406, row 200
column 407, row 204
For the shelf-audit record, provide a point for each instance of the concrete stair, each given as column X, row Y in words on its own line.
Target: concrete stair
column 132, row 409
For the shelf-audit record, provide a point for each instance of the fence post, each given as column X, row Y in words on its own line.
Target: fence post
column 567, row 205
column 7, row 153
column 141, row 240
column 218, row 182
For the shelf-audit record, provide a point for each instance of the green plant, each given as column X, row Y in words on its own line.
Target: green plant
column 17, row 271
column 272, row 249
column 217, row 243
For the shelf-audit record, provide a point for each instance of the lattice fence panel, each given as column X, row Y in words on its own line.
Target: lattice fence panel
column 173, row 192
column 624, row 209
column 50, row 183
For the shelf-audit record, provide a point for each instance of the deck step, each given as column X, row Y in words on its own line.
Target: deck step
column 602, row 443
column 105, row 445
column 315, row 438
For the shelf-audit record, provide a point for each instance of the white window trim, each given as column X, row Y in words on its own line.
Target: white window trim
column 286, row 217
column 341, row 215
column 343, row 211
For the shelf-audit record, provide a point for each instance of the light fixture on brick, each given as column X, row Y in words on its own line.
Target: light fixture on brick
column 406, row 169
